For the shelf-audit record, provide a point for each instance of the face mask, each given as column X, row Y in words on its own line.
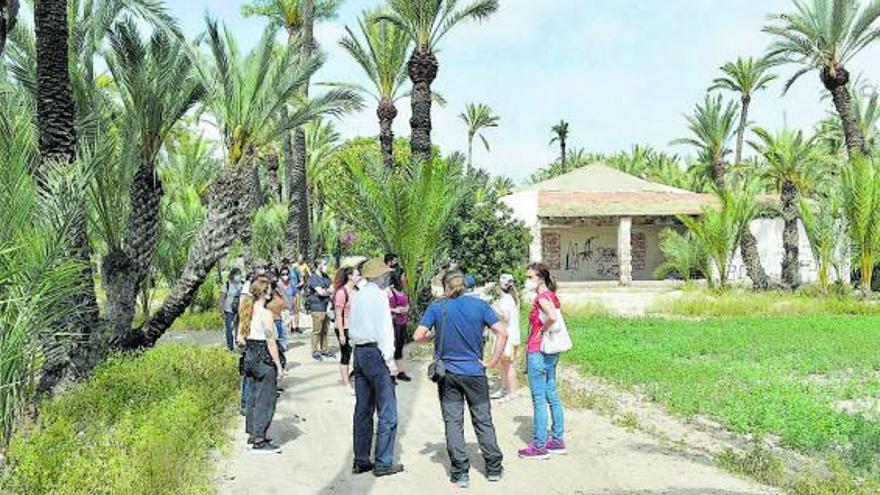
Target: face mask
column 361, row 283
column 237, row 279
column 437, row 292
column 285, row 277
column 531, row 285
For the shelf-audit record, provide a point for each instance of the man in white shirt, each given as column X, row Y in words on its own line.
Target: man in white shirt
column 372, row 334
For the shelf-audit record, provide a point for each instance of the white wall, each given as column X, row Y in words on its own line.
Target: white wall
column 525, row 208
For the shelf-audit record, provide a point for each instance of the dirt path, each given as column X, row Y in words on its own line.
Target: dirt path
column 313, row 427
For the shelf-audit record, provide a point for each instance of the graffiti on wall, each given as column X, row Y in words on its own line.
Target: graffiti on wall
column 551, row 247
column 639, row 243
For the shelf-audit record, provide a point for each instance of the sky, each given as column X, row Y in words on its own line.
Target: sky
column 620, row 72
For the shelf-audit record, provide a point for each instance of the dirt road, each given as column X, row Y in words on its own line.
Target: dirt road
column 313, row 427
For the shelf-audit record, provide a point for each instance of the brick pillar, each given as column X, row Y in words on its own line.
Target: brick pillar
column 624, row 250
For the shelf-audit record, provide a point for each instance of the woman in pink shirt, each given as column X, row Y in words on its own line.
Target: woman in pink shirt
column 399, row 303
column 345, row 283
column 542, row 367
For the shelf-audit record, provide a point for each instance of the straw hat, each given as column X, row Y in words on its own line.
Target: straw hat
column 375, row 268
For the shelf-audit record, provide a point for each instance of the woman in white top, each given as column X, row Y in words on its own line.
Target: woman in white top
column 507, row 308
column 262, row 364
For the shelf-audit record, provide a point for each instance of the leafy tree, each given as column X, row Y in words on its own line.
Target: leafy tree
column 426, row 22
column 477, row 117
column 745, row 76
column 382, row 56
column 861, row 207
column 711, row 127
column 825, row 35
column 560, row 135
column 792, row 166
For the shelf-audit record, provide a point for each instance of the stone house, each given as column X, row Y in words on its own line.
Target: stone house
column 598, row 223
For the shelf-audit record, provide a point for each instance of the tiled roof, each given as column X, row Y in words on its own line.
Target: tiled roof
column 563, row 204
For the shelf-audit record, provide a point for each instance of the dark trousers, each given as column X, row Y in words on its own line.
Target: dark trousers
column 344, row 350
column 260, row 387
column 231, row 321
column 399, row 340
column 375, row 393
column 454, row 390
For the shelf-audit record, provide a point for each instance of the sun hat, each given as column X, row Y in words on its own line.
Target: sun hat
column 375, row 268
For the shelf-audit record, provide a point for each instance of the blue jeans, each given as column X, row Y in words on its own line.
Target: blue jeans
column 375, row 394
column 542, row 383
column 282, row 335
column 231, row 326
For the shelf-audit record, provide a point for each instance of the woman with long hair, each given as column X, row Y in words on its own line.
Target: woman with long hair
column 262, row 364
column 346, row 285
column 507, row 308
column 399, row 303
column 541, row 368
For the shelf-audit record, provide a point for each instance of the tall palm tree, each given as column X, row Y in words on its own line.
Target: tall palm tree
column 244, row 96
column 158, row 85
column 477, row 117
column 382, row 56
column 861, row 207
column 792, row 167
column 427, row 22
column 8, row 14
column 560, row 135
column 745, row 77
column 712, row 129
column 297, row 17
column 825, row 35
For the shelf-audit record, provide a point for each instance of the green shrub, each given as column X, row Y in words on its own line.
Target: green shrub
column 208, row 321
column 138, row 426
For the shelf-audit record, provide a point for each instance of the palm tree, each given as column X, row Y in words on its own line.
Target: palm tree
column 298, row 18
column 560, row 135
column 745, row 77
column 382, row 56
column 825, row 35
column 861, row 207
column 792, row 167
column 823, row 221
column 477, row 117
column 8, row 14
column 245, row 95
column 158, row 85
column 681, row 255
column 712, row 128
column 426, row 22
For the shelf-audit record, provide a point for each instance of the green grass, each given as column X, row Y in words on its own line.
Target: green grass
column 140, row 425
column 765, row 376
column 703, row 303
column 190, row 321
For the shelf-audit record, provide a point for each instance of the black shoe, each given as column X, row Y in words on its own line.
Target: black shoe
column 317, row 357
column 404, row 377
column 387, row 470
column 266, row 447
column 279, row 389
column 496, row 476
column 361, row 468
column 463, row 480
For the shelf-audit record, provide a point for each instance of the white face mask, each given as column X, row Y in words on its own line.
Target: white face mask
column 531, row 285
column 361, row 283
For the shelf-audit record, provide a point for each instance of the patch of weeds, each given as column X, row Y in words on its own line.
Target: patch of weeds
column 583, row 399
column 627, row 420
column 205, row 321
column 758, row 463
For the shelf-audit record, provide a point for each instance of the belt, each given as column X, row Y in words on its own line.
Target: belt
column 370, row 344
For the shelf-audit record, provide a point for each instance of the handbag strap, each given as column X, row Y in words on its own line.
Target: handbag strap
column 438, row 351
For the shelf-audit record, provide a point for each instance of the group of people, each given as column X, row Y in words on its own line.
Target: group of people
column 369, row 312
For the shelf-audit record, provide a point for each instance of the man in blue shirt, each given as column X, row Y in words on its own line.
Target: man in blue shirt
column 458, row 322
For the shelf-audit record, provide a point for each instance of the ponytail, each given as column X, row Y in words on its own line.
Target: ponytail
column 245, row 313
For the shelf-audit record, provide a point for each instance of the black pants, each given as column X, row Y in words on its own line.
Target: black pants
column 454, row 390
column 261, row 384
column 344, row 350
column 399, row 340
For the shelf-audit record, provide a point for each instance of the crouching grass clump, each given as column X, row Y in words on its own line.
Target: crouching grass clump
column 138, row 426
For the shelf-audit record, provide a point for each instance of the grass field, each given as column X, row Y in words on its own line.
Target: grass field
column 703, row 303
column 785, row 376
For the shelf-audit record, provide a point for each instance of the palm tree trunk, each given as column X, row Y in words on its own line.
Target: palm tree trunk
column 230, row 212
column 719, row 170
column 422, row 68
column 272, row 173
column 741, row 132
column 56, row 114
column 297, row 231
column 126, row 270
column 387, row 112
column 748, row 248
column 790, row 262
column 836, row 83
column 470, row 162
column 562, row 153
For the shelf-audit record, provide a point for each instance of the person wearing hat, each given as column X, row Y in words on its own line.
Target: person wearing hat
column 372, row 334
column 507, row 308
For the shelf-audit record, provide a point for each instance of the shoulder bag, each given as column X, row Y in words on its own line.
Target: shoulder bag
column 556, row 339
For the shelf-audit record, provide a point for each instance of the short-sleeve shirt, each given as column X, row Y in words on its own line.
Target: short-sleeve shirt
column 535, row 323
column 462, row 345
column 397, row 299
column 318, row 303
column 230, row 291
